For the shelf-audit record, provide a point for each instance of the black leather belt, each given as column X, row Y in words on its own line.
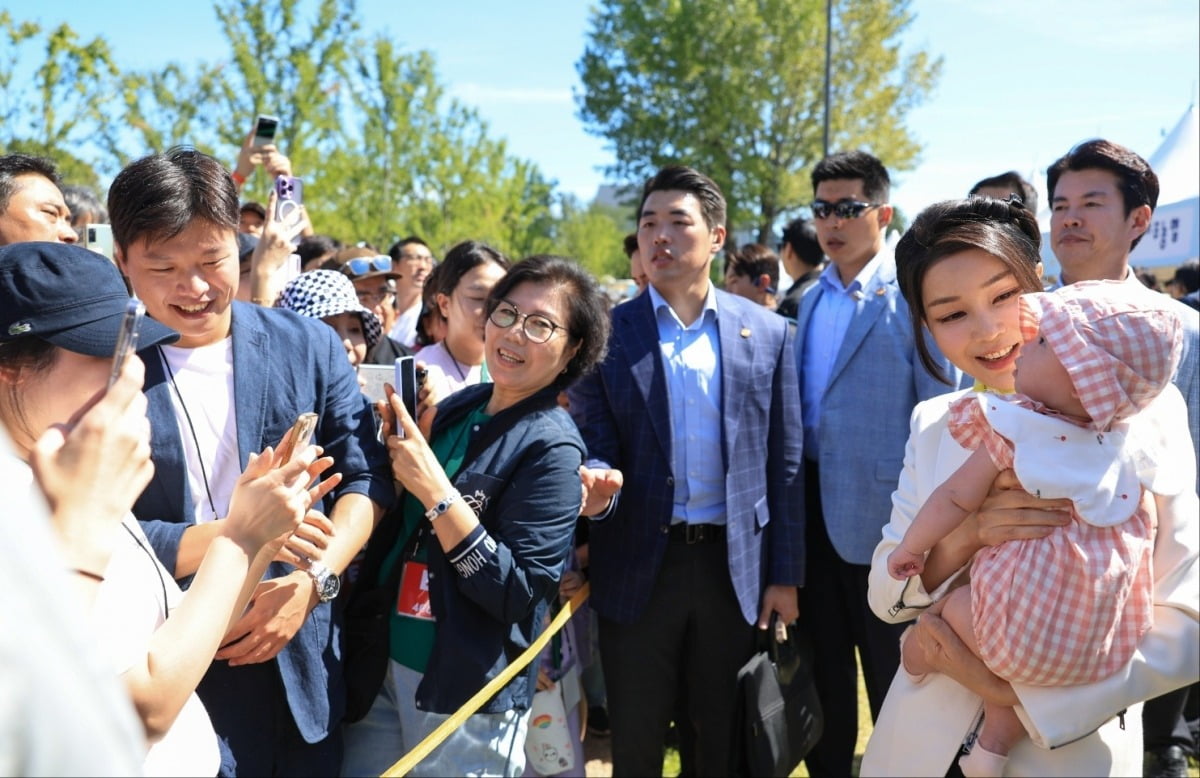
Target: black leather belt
column 696, row 533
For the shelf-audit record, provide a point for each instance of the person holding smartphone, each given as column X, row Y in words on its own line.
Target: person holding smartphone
column 492, row 495
column 236, row 380
column 55, row 366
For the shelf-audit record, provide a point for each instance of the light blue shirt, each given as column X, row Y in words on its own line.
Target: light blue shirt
column 691, row 358
column 823, row 337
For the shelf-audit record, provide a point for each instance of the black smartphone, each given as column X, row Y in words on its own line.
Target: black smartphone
column 302, row 432
column 264, row 129
column 127, row 338
column 406, row 384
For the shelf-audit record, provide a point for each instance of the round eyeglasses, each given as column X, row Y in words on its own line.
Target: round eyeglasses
column 536, row 327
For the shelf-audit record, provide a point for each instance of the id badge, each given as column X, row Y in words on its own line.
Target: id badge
column 414, row 592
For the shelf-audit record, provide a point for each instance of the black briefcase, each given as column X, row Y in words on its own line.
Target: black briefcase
column 779, row 714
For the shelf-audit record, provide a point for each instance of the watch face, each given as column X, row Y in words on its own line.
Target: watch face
column 330, row 587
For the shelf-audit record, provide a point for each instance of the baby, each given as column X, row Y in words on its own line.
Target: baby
column 1068, row 608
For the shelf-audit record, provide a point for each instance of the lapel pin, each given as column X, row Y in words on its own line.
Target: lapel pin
column 745, row 333
column 879, row 292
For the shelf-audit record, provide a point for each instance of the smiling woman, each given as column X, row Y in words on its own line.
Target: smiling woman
column 488, row 519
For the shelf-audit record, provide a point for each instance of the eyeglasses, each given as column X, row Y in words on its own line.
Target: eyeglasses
column 410, row 257
column 363, row 265
column 536, row 327
column 843, row 209
column 377, row 296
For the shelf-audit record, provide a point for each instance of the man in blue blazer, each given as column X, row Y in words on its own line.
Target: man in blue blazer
column 860, row 377
column 696, row 405
column 232, row 385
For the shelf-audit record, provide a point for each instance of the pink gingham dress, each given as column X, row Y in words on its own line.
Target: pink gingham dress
column 1071, row 607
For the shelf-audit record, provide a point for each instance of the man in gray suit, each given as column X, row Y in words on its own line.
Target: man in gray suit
column 860, row 377
column 1102, row 197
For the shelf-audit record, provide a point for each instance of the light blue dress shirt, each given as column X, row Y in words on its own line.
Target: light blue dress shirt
column 823, row 337
column 691, row 358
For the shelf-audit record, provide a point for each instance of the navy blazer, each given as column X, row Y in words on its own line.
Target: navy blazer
column 623, row 412
column 876, row 381
column 283, row 365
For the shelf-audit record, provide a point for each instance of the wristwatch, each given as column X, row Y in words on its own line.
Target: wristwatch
column 325, row 580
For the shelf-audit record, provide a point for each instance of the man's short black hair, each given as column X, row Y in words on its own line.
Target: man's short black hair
column 159, row 196
column 13, row 165
column 801, row 235
column 1013, row 182
column 855, row 165
column 685, row 179
column 398, row 247
column 630, row 244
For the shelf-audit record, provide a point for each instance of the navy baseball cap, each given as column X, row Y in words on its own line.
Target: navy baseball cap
column 68, row 296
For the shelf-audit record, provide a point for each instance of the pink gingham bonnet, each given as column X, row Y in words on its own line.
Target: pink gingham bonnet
column 1119, row 342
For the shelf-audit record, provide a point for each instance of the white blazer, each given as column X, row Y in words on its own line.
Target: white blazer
column 1073, row 730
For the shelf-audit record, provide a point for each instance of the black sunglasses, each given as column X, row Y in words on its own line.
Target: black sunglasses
column 843, row 209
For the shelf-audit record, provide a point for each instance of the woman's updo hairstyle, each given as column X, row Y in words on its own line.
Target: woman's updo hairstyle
column 1003, row 228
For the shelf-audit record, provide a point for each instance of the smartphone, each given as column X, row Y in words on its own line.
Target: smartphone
column 289, row 194
column 373, row 378
column 302, row 432
column 98, row 238
column 127, row 338
column 264, row 129
column 406, row 384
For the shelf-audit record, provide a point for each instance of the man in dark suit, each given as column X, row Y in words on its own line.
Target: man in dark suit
column 696, row 405
column 232, row 385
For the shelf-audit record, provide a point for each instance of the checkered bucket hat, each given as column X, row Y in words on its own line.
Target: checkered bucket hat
column 321, row 293
column 1119, row 342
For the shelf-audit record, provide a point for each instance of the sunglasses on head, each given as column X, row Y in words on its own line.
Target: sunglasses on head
column 843, row 209
column 363, row 265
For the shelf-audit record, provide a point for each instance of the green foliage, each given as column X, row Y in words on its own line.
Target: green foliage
column 55, row 113
column 735, row 88
column 594, row 236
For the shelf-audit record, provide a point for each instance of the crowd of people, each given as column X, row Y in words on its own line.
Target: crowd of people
column 975, row 489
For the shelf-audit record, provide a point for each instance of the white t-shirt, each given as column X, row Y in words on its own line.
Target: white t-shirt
column 405, row 328
column 62, row 709
column 446, row 375
column 129, row 607
column 203, row 376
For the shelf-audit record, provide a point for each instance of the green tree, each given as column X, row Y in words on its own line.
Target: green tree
column 421, row 163
column 594, row 237
column 729, row 87
column 61, row 109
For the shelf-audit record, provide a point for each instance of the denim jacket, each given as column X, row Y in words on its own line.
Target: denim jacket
column 490, row 593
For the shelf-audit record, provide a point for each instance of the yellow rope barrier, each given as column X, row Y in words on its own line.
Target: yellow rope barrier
column 456, row 719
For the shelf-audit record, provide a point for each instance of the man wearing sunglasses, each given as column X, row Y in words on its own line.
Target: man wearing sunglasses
column 860, row 377
column 375, row 282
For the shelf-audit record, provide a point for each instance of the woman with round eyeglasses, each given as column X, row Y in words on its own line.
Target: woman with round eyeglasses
column 490, row 506
column 462, row 283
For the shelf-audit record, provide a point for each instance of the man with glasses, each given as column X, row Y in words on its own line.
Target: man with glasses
column 375, row 278
column 413, row 262
column 860, row 377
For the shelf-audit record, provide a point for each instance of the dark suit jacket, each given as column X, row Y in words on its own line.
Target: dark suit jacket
column 623, row 412
column 283, row 365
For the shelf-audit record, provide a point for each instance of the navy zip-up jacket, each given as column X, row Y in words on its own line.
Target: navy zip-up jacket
column 490, row 593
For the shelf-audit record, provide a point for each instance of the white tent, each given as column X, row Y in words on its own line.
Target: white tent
column 1174, row 233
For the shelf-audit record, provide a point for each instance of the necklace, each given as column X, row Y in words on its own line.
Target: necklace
column 191, row 428
column 457, row 365
column 153, row 563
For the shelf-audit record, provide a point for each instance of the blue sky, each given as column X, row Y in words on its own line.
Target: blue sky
column 1022, row 80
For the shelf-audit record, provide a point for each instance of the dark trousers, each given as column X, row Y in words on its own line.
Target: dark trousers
column 692, row 632
column 249, row 711
column 1164, row 722
column 833, row 608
